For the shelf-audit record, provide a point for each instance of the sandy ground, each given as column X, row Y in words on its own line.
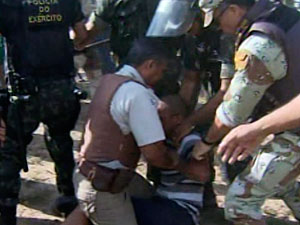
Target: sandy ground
column 39, row 190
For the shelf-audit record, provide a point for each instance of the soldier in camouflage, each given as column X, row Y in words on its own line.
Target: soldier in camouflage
column 265, row 67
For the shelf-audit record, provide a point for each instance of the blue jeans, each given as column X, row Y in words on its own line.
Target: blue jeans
column 160, row 211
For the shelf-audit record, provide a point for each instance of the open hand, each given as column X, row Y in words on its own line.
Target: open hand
column 241, row 142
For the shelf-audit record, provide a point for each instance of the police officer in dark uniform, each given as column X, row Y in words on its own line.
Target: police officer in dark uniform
column 40, row 73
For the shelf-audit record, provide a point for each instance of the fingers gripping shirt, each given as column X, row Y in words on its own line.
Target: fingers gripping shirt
column 259, row 62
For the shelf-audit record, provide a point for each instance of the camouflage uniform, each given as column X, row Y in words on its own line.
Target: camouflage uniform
column 273, row 170
column 42, row 55
column 272, row 173
column 261, row 61
column 56, row 106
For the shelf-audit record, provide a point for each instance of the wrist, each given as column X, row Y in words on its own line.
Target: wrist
column 207, row 142
column 265, row 129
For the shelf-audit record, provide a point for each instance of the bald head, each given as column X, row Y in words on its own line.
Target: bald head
column 172, row 111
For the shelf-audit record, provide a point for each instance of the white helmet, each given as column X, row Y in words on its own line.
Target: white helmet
column 208, row 7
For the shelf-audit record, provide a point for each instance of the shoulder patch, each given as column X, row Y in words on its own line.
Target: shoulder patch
column 241, row 59
column 256, row 71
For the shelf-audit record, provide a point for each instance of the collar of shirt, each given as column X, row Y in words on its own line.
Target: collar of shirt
column 131, row 72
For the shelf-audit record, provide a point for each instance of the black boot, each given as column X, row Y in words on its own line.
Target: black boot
column 64, row 205
column 8, row 215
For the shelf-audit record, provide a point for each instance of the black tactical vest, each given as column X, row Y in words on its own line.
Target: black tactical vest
column 37, row 33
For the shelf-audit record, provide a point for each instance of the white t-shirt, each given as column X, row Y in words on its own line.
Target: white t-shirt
column 134, row 109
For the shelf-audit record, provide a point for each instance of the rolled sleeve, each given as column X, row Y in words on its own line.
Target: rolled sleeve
column 227, row 71
column 248, row 85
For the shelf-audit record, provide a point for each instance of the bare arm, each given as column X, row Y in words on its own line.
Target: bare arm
column 246, row 90
column 205, row 113
column 284, row 118
column 190, row 87
column 197, row 169
column 159, row 155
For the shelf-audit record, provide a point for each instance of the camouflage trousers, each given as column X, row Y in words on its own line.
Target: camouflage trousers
column 272, row 173
column 56, row 105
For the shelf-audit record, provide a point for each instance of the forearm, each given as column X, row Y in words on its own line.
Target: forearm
column 285, row 118
column 160, row 156
column 217, row 131
column 195, row 169
column 207, row 112
column 190, row 88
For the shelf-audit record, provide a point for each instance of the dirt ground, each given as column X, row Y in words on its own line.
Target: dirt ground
column 39, row 190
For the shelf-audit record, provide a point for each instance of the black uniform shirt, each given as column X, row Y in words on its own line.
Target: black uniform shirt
column 37, row 33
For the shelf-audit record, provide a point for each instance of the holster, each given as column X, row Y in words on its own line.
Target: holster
column 105, row 179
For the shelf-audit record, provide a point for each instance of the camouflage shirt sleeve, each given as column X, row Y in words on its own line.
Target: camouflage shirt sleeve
column 259, row 62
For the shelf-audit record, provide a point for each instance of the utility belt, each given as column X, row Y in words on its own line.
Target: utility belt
column 29, row 85
column 105, row 179
column 41, row 79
